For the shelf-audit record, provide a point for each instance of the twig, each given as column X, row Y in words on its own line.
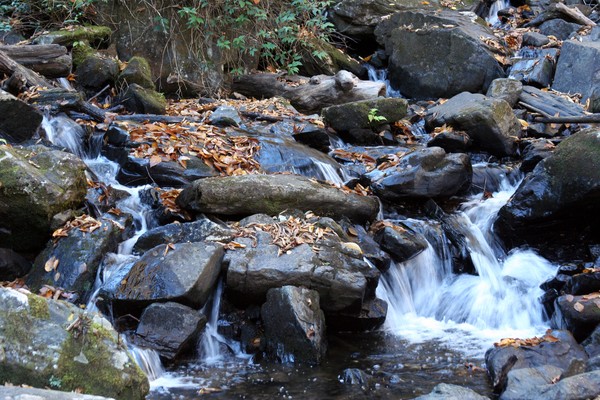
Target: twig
column 579, row 119
column 99, row 93
column 535, row 109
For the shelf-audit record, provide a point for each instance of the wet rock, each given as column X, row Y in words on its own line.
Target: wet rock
column 579, row 314
column 78, row 256
column 401, row 242
column 225, row 116
column 444, row 391
column 428, row 172
column 19, row 121
column 583, row 283
column 534, row 66
column 577, row 70
column 525, row 383
column 12, row 265
column 143, row 101
column 95, row 72
column 557, row 282
column 451, row 141
column 137, row 171
column 560, row 195
column 565, row 354
column 370, row 317
column 200, row 230
column 371, row 249
column 341, row 277
column 350, row 119
column 488, row 121
column 313, row 136
column 272, row 194
column 582, row 386
column 354, row 376
column 411, row 37
column 534, row 152
column 37, row 183
column 505, row 89
column 27, row 393
column 559, row 28
column 294, row 325
column 137, row 71
column 169, row 328
column 38, row 349
column 489, row 177
column 535, row 39
column 185, row 273
column 592, row 344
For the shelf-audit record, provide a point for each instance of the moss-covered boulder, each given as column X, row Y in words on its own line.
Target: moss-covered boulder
column 72, row 262
column 36, row 183
column 559, row 202
column 94, row 35
column 138, row 99
column 137, row 71
column 321, row 57
column 96, row 71
column 48, row 343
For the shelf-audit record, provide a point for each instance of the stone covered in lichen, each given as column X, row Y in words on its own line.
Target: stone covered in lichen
column 37, row 348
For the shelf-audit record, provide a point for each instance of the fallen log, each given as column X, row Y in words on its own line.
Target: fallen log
column 63, row 100
column 548, row 104
column 575, row 14
column 51, row 61
column 10, row 66
column 577, row 119
column 309, row 95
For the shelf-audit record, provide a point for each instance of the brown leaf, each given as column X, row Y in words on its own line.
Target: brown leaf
column 51, row 264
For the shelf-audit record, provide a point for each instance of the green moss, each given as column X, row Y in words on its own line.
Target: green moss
column 80, row 52
column 90, row 34
column 98, row 375
column 38, row 307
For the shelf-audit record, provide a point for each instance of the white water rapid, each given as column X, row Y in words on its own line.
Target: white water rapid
column 427, row 301
column 496, row 6
column 380, row 75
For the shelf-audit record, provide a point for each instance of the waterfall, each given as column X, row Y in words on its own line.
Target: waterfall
column 380, row 75
column 496, row 6
column 428, row 301
column 211, row 339
column 65, row 132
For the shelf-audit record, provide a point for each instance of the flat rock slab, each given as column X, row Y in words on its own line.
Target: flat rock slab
column 578, row 69
column 272, row 194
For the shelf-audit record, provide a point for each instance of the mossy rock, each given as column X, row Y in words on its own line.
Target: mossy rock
column 332, row 60
column 36, row 349
column 137, row 71
column 144, row 101
column 94, row 35
column 36, row 183
column 80, row 52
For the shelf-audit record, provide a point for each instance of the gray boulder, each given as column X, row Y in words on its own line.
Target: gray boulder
column 535, row 39
column 534, row 152
column 37, row 183
column 559, row 28
column 19, row 121
column 565, row 354
column 579, row 387
column 505, row 89
column 525, row 383
column 340, row 275
column 561, row 195
column 401, row 242
column 423, row 60
column 225, row 116
column 444, row 391
column 72, row 262
column 48, row 343
column 169, row 328
column 294, row 325
column 197, row 231
column 358, row 18
column 578, row 70
column 489, row 122
column 579, row 314
column 185, row 273
column 272, row 194
column 428, row 172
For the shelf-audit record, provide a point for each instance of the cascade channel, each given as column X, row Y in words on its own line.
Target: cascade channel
column 438, row 325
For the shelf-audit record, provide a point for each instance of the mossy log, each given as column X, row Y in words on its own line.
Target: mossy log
column 10, row 66
column 309, row 95
column 51, row 61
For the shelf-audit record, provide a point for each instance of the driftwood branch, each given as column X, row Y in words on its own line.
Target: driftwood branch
column 10, row 66
column 580, row 119
column 49, row 60
column 575, row 14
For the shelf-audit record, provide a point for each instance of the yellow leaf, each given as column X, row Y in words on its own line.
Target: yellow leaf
column 154, row 160
column 51, row 264
column 578, row 307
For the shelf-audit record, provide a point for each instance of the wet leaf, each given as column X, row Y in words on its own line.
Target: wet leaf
column 578, row 307
column 51, row 264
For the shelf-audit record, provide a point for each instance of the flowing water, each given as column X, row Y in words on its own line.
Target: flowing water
column 438, row 327
column 380, row 75
column 496, row 6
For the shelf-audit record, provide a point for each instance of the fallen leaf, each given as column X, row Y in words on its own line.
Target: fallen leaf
column 578, row 307
column 51, row 264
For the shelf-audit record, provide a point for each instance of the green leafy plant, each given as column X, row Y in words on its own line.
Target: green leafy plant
column 54, row 382
column 374, row 116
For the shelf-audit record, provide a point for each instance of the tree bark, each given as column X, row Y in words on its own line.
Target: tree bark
column 50, row 60
column 309, row 95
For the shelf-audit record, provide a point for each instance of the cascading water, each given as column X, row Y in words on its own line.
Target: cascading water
column 496, row 6
column 428, row 301
column 380, row 75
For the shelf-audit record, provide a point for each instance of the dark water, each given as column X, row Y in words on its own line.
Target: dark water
column 396, row 369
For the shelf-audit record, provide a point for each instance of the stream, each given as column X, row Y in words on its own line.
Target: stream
column 438, row 327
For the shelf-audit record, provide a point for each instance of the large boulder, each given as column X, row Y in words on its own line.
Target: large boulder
column 294, row 325
column 169, row 328
column 428, row 172
column 529, row 384
column 561, row 195
column 401, row 242
column 36, row 183
column 96, row 71
column 437, row 53
column 340, row 275
column 141, row 100
column 271, row 194
column 48, row 343
column 358, row 18
column 564, row 353
column 72, row 262
column 137, row 71
column 184, row 273
column 489, row 122
column 19, row 121
column 579, row 314
column 578, row 70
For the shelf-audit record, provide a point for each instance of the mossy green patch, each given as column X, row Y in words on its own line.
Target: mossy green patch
column 38, row 307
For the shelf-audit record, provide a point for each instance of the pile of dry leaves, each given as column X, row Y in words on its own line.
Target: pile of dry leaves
column 534, row 341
